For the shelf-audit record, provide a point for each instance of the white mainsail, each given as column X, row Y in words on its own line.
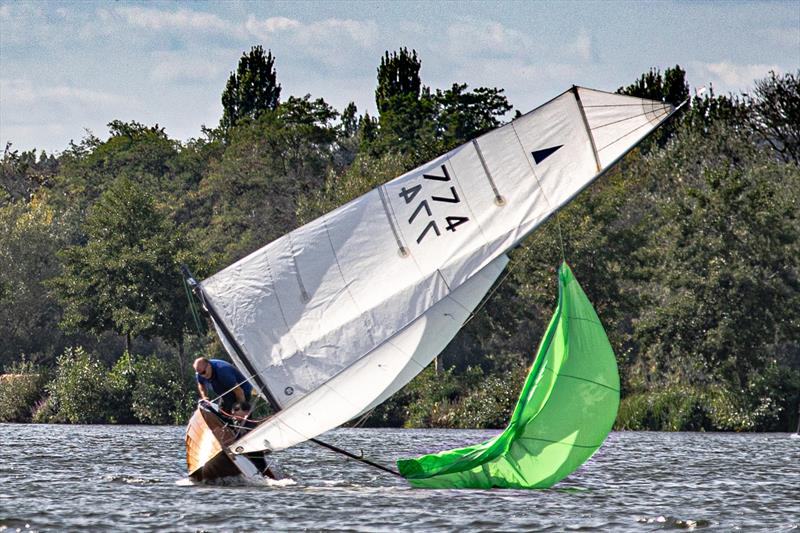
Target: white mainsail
column 332, row 318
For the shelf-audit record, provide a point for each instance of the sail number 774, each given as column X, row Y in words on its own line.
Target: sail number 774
column 424, row 209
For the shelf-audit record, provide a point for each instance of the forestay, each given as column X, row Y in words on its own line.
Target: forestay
column 332, row 318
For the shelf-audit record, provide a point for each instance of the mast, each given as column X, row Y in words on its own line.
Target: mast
column 208, row 306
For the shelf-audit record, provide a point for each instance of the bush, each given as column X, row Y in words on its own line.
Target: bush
column 20, row 390
column 81, row 390
column 158, row 396
column 489, row 404
column 683, row 408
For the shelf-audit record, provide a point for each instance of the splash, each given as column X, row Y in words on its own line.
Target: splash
column 238, row 481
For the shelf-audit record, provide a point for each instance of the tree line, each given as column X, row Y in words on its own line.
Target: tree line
column 688, row 249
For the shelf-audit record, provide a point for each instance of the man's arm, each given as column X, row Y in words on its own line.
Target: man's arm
column 202, row 390
column 239, row 392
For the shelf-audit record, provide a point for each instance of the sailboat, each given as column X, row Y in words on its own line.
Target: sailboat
column 334, row 317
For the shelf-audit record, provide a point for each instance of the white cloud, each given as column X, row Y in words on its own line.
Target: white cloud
column 331, row 42
column 466, row 37
column 270, row 25
column 21, row 92
column 731, row 77
column 182, row 19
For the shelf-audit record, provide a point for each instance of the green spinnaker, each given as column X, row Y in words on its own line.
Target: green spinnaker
column 565, row 411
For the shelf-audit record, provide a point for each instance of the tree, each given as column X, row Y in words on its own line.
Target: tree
column 398, row 78
column 405, row 108
column 126, row 277
column 725, row 284
column 30, row 235
column 143, row 154
column 462, row 115
column 268, row 164
column 671, row 87
column 251, row 90
column 775, row 113
column 21, row 174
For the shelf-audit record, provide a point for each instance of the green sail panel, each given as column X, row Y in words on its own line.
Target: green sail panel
column 565, row 411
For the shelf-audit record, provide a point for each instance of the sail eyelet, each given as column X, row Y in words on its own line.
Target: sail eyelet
column 288, row 391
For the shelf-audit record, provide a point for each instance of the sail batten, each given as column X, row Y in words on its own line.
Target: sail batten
column 317, row 305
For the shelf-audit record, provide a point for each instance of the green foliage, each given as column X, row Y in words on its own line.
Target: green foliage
column 726, row 278
column 80, row 389
column 147, row 390
column 251, row 90
column 671, row 87
column 687, row 249
column 21, row 388
column 126, row 277
column 139, row 153
column 268, row 165
column 710, row 408
column 775, row 113
column 398, row 79
column 159, row 394
column 23, row 174
column 463, row 115
column 31, row 233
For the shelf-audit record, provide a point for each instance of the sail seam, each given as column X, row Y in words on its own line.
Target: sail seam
column 588, row 129
column 588, row 381
column 559, row 442
column 614, row 105
column 389, row 216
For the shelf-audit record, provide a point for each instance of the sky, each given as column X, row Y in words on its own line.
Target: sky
column 68, row 68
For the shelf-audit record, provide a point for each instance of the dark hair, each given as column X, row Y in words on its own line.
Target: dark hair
column 244, row 406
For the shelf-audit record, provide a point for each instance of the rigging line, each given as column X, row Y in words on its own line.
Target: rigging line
column 560, row 236
column 354, row 456
column 623, row 136
column 656, row 112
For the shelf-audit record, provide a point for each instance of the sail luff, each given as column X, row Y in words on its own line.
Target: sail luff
column 241, row 360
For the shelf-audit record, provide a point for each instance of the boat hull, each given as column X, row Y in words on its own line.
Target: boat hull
column 207, row 439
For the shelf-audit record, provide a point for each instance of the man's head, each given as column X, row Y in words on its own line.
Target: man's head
column 203, row 367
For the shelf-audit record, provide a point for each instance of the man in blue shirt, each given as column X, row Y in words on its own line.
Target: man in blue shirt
column 224, row 378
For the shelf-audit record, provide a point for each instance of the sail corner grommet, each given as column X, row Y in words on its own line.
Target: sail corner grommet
column 239, row 449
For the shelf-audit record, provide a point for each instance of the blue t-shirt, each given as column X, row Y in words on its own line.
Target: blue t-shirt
column 224, row 378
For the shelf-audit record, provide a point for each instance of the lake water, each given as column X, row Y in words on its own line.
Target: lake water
column 132, row 478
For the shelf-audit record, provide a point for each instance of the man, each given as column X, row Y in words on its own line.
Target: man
column 224, row 378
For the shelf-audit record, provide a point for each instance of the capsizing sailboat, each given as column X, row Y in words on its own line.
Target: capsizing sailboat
column 334, row 317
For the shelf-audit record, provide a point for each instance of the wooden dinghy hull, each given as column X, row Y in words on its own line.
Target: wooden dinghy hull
column 207, row 454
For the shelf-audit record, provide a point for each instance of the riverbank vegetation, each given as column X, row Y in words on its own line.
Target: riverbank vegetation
column 688, row 249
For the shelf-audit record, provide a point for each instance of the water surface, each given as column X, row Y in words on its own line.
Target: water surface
column 132, row 478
